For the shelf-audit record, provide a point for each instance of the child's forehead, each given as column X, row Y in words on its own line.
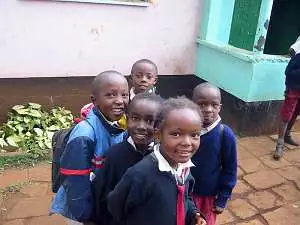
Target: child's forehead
column 143, row 66
column 207, row 93
column 144, row 105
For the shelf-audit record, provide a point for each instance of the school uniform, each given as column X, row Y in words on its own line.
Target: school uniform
column 120, row 157
column 291, row 106
column 151, row 90
column 152, row 192
column 215, row 170
column 85, row 153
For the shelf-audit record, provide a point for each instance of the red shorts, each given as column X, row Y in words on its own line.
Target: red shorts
column 290, row 106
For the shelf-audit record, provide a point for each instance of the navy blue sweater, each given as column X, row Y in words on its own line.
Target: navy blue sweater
column 216, row 165
column 120, row 157
column 292, row 74
column 148, row 196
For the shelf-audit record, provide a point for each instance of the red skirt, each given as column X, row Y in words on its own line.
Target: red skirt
column 205, row 205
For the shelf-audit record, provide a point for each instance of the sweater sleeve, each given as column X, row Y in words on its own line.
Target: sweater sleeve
column 129, row 193
column 102, row 185
column 76, row 167
column 293, row 67
column 229, row 168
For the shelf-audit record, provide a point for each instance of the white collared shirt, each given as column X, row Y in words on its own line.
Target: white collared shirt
column 209, row 128
column 131, row 93
column 130, row 141
column 164, row 166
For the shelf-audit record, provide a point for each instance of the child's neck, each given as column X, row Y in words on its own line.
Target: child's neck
column 173, row 164
column 209, row 124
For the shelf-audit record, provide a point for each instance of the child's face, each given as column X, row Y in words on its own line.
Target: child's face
column 112, row 98
column 143, row 76
column 209, row 101
column 140, row 123
column 180, row 135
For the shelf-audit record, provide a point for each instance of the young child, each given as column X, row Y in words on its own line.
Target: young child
column 156, row 190
column 215, row 170
column 142, row 112
column 291, row 105
column 88, row 144
column 143, row 77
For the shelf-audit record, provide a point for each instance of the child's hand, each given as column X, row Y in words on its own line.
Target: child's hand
column 217, row 210
column 199, row 220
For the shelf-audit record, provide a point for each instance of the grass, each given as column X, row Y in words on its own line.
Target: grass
column 16, row 188
column 21, row 160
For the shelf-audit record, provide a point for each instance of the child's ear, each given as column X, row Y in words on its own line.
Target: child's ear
column 93, row 98
column 157, row 135
column 155, row 80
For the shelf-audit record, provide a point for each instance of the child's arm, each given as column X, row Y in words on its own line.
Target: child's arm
column 194, row 216
column 128, row 194
column 76, row 166
column 229, row 168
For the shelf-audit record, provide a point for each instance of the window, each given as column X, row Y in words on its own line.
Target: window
column 113, row 2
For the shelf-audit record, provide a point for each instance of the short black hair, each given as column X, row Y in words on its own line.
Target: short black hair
column 176, row 103
column 201, row 86
column 145, row 96
column 144, row 61
column 104, row 76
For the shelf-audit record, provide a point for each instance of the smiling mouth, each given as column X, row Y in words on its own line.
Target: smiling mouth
column 140, row 136
column 184, row 153
column 118, row 111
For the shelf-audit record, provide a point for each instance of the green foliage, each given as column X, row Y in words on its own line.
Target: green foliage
column 30, row 129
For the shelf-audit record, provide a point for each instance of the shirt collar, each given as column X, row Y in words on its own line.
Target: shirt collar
column 131, row 142
column 131, row 94
column 164, row 166
column 209, row 128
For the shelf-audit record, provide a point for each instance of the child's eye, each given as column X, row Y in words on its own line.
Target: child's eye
column 149, row 121
column 125, row 95
column 110, row 94
column 195, row 135
column 175, row 134
column 134, row 118
column 216, row 105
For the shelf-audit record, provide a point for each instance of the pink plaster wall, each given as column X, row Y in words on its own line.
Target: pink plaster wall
column 49, row 38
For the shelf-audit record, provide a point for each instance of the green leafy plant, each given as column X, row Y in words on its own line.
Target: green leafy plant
column 30, row 129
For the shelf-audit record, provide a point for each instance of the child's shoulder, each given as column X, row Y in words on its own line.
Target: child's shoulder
column 117, row 151
column 228, row 134
column 82, row 129
column 145, row 167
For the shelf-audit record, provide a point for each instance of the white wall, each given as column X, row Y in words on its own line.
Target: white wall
column 48, row 38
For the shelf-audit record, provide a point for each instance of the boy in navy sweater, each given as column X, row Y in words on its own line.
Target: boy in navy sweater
column 216, row 160
column 142, row 112
column 291, row 105
column 156, row 191
column 143, row 77
column 88, row 144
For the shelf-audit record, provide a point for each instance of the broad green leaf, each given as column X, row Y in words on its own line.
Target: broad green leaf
column 17, row 107
column 13, row 141
column 34, row 113
column 3, row 143
column 53, row 128
column 38, row 131
column 20, row 118
column 27, row 119
column 21, row 111
column 35, row 105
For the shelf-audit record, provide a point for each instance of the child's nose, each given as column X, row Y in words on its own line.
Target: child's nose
column 141, row 125
column 186, row 140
